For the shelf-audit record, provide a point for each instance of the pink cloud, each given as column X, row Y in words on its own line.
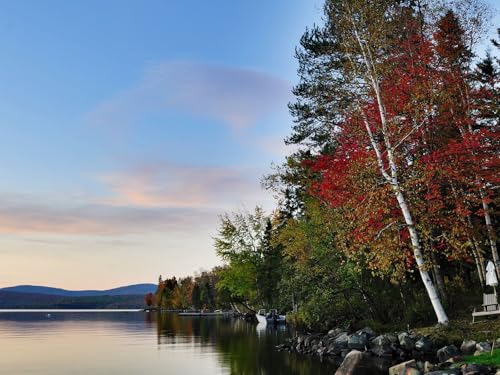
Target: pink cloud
column 163, row 184
column 21, row 217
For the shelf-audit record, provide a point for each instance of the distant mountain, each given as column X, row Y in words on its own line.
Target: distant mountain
column 136, row 289
column 14, row 300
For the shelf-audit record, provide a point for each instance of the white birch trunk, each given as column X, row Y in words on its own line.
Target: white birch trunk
column 417, row 252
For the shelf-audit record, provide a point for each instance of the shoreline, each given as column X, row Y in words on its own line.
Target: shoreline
column 366, row 352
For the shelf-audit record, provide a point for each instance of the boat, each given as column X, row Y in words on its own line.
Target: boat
column 271, row 317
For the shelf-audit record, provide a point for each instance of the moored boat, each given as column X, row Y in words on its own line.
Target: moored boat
column 271, row 317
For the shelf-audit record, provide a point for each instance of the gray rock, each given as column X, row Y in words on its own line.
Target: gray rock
column 423, row 344
column 451, row 371
column 332, row 349
column 311, row 341
column 482, row 347
column 393, row 339
column 358, row 341
column 341, row 340
column 359, row 363
column 381, row 345
column 447, row 352
column 468, row 347
column 406, row 341
column 370, row 332
column 473, row 369
column 334, row 332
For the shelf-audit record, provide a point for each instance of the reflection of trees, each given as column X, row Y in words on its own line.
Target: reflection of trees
column 242, row 348
column 247, row 351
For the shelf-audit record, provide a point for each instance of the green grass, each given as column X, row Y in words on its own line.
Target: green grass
column 485, row 358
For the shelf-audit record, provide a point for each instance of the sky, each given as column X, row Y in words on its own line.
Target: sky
column 128, row 127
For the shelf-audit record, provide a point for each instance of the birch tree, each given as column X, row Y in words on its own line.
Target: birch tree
column 356, row 45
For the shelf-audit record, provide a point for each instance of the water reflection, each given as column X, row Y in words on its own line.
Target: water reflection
column 144, row 343
column 244, row 348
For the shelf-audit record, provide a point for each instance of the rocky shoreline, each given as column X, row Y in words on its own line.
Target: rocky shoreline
column 405, row 353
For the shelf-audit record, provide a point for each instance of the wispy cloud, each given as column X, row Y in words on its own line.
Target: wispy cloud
column 154, row 197
column 29, row 217
column 163, row 184
column 237, row 97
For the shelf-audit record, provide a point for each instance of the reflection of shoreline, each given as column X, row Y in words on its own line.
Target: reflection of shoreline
column 222, row 345
column 242, row 348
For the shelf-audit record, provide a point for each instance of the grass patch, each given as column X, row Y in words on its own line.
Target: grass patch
column 460, row 329
column 485, row 358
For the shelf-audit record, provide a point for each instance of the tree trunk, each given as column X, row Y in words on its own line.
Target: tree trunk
column 234, row 307
column 491, row 232
column 417, row 252
column 480, row 272
column 478, row 258
column 438, row 277
column 372, row 79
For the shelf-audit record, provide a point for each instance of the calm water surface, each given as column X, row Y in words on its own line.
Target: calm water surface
column 143, row 343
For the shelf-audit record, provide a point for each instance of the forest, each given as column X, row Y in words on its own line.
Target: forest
column 387, row 209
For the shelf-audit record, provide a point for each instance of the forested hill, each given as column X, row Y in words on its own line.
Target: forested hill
column 136, row 289
column 14, row 300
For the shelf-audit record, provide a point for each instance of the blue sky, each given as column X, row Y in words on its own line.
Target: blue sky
column 129, row 126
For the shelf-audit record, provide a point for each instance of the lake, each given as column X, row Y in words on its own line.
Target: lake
column 144, row 343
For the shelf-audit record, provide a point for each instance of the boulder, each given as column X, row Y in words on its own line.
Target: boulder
column 332, row 349
column 400, row 367
column 370, row 332
column 483, row 347
column 335, row 332
column 360, row 363
column 341, row 340
column 423, row 344
column 381, row 345
column 358, row 341
column 447, row 352
column 311, row 340
column 406, row 341
column 393, row 338
column 473, row 369
column 451, row 371
column 468, row 347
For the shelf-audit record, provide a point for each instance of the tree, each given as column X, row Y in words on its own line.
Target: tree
column 253, row 264
column 357, row 45
column 149, row 299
